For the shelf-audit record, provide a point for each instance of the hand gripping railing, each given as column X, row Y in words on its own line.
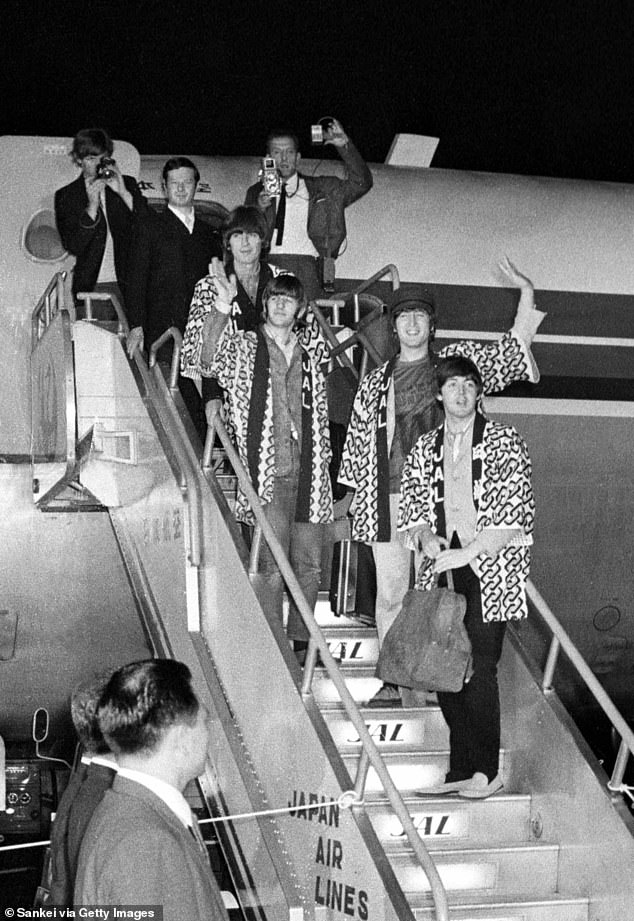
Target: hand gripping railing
column 370, row 755
column 561, row 640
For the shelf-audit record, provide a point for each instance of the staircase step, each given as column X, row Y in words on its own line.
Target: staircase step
column 392, row 729
column 412, row 770
column 360, row 679
column 463, row 907
column 326, row 618
column 526, row 869
column 451, row 822
column 355, row 646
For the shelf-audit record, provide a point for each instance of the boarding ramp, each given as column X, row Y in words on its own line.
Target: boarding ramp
column 186, row 562
column 557, row 846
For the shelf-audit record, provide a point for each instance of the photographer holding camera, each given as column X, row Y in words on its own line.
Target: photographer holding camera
column 95, row 214
column 305, row 214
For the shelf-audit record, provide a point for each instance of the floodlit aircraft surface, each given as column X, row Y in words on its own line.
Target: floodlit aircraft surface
column 65, row 584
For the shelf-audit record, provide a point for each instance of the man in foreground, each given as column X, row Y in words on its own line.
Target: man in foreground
column 143, row 846
column 85, row 790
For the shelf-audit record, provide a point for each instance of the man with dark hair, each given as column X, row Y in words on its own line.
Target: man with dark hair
column 306, row 223
column 143, row 846
column 275, row 401
column 170, row 252
column 83, row 793
column 467, row 504
column 395, row 404
column 95, row 215
column 243, row 236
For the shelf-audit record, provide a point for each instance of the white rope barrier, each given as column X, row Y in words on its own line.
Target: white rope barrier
column 346, row 800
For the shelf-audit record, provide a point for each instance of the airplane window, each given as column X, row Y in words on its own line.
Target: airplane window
column 40, row 240
column 209, row 211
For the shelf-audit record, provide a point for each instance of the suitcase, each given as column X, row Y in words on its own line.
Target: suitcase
column 353, row 581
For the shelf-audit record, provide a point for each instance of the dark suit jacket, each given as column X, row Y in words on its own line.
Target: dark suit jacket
column 60, row 884
column 67, row 835
column 98, row 779
column 165, row 263
column 136, row 851
column 87, row 240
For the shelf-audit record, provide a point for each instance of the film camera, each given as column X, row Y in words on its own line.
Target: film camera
column 271, row 179
column 317, row 131
column 104, row 168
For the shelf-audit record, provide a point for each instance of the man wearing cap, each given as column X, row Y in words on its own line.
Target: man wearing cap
column 396, row 404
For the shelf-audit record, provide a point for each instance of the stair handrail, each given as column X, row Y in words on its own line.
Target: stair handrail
column 187, row 477
column 561, row 640
column 389, row 269
column 370, row 754
column 48, row 306
column 338, row 348
column 171, row 333
column 190, row 487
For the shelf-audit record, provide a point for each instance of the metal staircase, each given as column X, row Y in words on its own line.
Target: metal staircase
column 488, row 853
column 553, row 845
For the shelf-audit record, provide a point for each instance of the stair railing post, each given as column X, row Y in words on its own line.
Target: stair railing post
column 362, row 775
column 309, row 669
column 551, row 664
column 616, row 780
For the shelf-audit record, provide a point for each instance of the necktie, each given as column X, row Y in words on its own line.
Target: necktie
column 280, row 215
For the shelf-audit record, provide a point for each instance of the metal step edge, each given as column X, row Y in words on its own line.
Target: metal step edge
column 336, row 713
column 358, row 631
column 377, row 802
column 465, row 907
column 357, row 671
column 473, row 852
column 419, row 756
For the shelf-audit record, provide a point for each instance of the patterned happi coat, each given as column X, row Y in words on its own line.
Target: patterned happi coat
column 503, row 497
column 206, row 295
column 365, row 460
column 234, row 367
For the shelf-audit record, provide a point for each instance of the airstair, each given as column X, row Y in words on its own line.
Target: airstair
column 313, row 795
column 494, row 857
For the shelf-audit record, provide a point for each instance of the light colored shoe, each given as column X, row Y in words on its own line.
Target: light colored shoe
column 388, row 695
column 444, row 789
column 480, row 787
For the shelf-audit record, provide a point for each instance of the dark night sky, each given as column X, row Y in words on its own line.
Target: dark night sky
column 527, row 87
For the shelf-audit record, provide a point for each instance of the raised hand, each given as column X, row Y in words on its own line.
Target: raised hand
column 514, row 275
column 335, row 135
column 226, row 286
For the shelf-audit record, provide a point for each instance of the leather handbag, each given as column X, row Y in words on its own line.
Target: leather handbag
column 427, row 647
